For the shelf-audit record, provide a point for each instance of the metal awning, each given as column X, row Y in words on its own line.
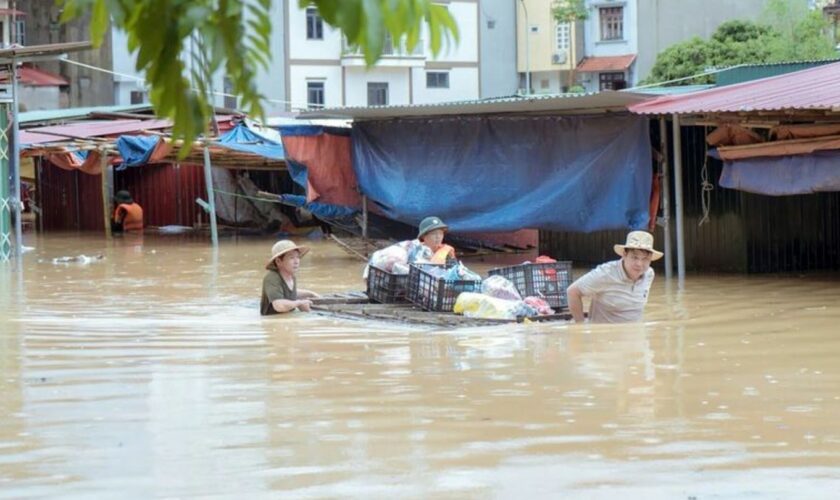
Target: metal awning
column 815, row 89
column 606, row 63
column 40, row 52
column 600, row 102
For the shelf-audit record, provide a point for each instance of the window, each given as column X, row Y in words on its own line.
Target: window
column 611, row 81
column 437, row 80
column 231, row 100
column 315, row 94
column 138, row 97
column 2, row 33
column 314, row 25
column 20, row 32
column 377, row 94
column 563, row 36
column 612, row 23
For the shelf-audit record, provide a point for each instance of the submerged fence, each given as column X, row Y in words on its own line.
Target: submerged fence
column 5, row 186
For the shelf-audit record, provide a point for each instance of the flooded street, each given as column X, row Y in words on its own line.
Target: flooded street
column 150, row 373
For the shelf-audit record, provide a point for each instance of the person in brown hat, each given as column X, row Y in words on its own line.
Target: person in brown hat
column 618, row 289
column 280, row 293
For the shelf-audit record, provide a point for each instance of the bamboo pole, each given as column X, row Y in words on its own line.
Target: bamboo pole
column 15, row 162
column 666, row 197
column 106, row 193
column 678, row 201
column 211, row 198
column 364, row 217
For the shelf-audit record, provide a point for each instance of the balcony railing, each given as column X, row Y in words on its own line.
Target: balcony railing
column 389, row 49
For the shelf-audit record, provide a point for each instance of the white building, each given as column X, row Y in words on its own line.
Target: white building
column 611, row 44
column 323, row 71
column 129, row 87
column 12, row 25
column 623, row 37
column 313, row 66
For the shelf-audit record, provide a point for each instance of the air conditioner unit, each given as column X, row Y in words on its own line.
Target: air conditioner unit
column 558, row 58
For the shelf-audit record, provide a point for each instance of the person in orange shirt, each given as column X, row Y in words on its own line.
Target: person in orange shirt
column 431, row 233
column 128, row 215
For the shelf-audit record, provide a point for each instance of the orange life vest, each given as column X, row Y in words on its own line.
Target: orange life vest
column 130, row 215
column 442, row 253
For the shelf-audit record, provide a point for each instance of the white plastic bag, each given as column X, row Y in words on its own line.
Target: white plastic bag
column 500, row 287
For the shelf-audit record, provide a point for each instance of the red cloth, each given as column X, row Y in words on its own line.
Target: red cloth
column 654, row 203
column 68, row 161
column 329, row 168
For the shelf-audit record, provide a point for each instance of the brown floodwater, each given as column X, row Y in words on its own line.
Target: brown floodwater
column 150, row 373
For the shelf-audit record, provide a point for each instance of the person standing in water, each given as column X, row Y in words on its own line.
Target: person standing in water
column 280, row 293
column 128, row 215
column 619, row 289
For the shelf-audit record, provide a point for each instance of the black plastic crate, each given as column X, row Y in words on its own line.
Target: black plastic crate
column 548, row 280
column 385, row 287
column 433, row 293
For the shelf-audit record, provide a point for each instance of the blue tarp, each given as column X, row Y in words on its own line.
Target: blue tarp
column 241, row 138
column 509, row 173
column 321, row 210
column 135, row 150
column 784, row 175
column 310, row 130
column 298, row 173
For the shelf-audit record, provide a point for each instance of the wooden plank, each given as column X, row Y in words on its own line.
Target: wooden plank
column 342, row 298
column 411, row 314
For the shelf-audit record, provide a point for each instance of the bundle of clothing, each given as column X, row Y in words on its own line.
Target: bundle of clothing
column 499, row 299
column 397, row 258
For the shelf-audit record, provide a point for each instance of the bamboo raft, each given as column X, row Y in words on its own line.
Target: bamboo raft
column 356, row 305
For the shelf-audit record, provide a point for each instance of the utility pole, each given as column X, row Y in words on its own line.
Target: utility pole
column 14, row 160
column 527, row 50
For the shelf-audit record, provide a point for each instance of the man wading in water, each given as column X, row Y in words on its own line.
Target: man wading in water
column 280, row 293
column 619, row 289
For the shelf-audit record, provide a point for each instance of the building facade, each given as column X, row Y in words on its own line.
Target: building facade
column 38, row 23
column 497, row 48
column 616, row 46
column 130, row 88
column 548, row 51
column 324, row 71
column 663, row 23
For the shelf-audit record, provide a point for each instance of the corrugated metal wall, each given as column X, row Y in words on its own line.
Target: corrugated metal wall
column 72, row 200
column 167, row 193
column 60, row 192
column 745, row 232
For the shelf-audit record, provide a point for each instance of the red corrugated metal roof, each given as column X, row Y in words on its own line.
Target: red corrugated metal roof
column 103, row 128
column 814, row 88
column 35, row 77
column 609, row 63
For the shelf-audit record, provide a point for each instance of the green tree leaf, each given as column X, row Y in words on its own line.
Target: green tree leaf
column 569, row 11
column 180, row 44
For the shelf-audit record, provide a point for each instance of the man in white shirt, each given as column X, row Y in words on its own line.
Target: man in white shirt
column 618, row 289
